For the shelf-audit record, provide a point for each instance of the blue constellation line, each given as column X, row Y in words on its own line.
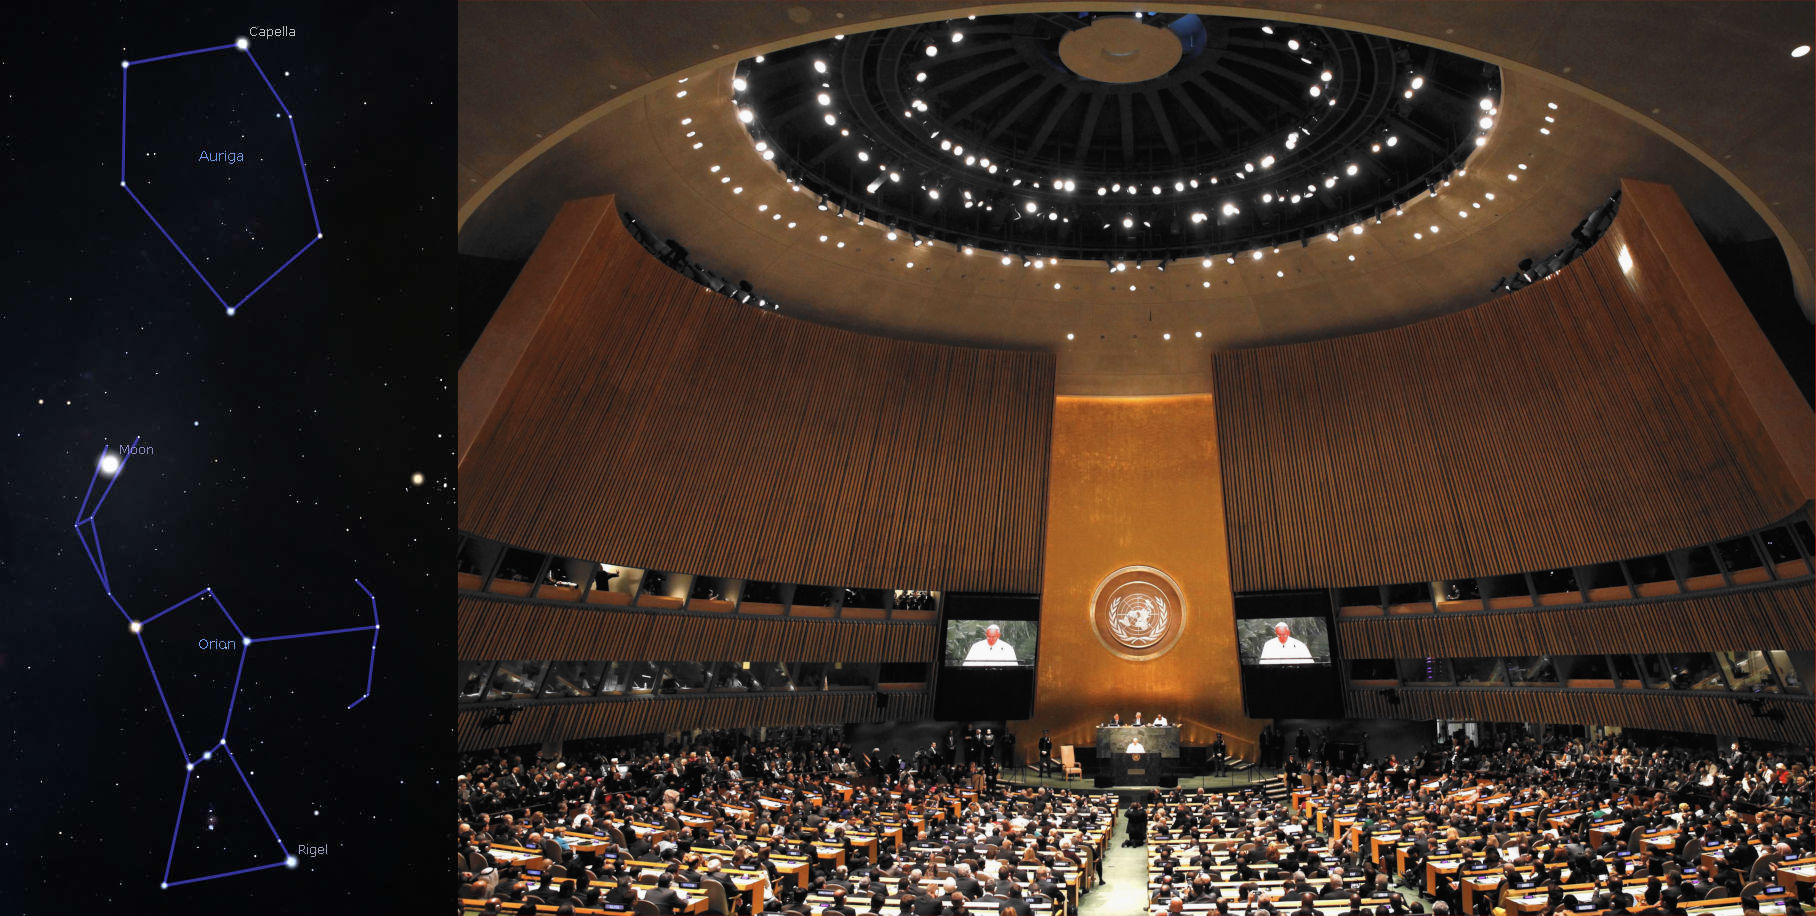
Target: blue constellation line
column 85, row 518
column 245, row 47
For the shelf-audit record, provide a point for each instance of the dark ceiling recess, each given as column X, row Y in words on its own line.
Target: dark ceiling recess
column 1260, row 134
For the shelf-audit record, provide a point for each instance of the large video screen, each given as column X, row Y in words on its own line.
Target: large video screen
column 1286, row 649
column 991, row 643
column 1283, row 641
column 987, row 656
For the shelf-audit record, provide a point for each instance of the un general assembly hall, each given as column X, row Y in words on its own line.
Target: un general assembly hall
column 1280, row 459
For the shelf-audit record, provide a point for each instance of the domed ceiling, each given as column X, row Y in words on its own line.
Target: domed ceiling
column 1116, row 135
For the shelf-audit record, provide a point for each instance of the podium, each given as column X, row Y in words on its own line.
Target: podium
column 1155, row 766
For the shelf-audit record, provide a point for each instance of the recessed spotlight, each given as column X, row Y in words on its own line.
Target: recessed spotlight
column 746, row 115
column 920, row 77
column 698, row 144
column 1551, row 105
column 1352, row 257
column 791, row 225
column 1545, row 130
column 681, row 95
column 1005, row 260
column 1418, row 235
column 1394, row 140
column 822, row 238
column 738, row 84
column 737, row 190
column 819, row 66
column 1166, row 335
column 1434, row 229
column 1207, row 284
column 1293, row 43
column 1800, row 50
column 1418, row 82
column 1279, row 273
column 714, row 169
column 831, row 120
column 1351, row 170
column 932, row 50
column 1056, row 286
column 1068, row 335
column 1522, row 166
column 823, row 98
column 1486, row 123
column 1325, row 76
column 1512, row 177
column 910, row 265
column 841, row 244
column 686, row 121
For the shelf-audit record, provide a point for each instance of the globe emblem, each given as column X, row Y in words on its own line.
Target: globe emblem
column 1138, row 619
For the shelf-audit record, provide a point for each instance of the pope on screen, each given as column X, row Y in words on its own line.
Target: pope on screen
column 991, row 650
column 1283, row 649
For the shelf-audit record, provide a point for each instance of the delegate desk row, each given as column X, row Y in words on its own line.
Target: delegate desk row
column 1769, row 905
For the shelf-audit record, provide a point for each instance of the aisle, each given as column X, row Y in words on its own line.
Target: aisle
column 1124, row 891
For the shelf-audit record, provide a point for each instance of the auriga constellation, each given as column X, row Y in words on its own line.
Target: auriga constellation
column 244, row 46
column 111, row 465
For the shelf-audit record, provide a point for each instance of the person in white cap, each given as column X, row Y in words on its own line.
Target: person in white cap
column 1283, row 649
column 991, row 650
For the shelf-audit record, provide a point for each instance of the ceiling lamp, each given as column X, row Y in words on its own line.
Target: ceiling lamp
column 819, row 66
column 746, row 115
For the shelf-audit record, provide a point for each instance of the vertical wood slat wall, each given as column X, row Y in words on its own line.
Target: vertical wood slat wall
column 1573, row 421
column 1776, row 617
column 488, row 630
column 1716, row 713
column 643, row 715
column 660, row 425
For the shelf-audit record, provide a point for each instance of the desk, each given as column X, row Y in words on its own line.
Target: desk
column 1113, row 739
column 1795, row 872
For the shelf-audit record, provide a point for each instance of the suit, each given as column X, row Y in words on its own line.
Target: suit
column 666, row 899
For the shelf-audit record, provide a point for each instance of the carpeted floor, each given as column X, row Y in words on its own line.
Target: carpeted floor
column 1124, row 891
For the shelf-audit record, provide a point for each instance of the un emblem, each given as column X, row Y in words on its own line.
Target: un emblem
column 1137, row 612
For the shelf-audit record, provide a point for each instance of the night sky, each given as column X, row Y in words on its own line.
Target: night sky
column 279, row 452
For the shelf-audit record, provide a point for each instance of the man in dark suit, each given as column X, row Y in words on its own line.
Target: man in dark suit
column 1219, row 764
column 665, row 897
column 1017, row 904
column 1046, row 752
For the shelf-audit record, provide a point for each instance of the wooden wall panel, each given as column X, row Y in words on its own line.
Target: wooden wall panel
column 1135, row 484
column 1695, row 711
column 1775, row 617
column 491, row 629
column 1588, row 417
column 537, row 723
column 653, row 423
